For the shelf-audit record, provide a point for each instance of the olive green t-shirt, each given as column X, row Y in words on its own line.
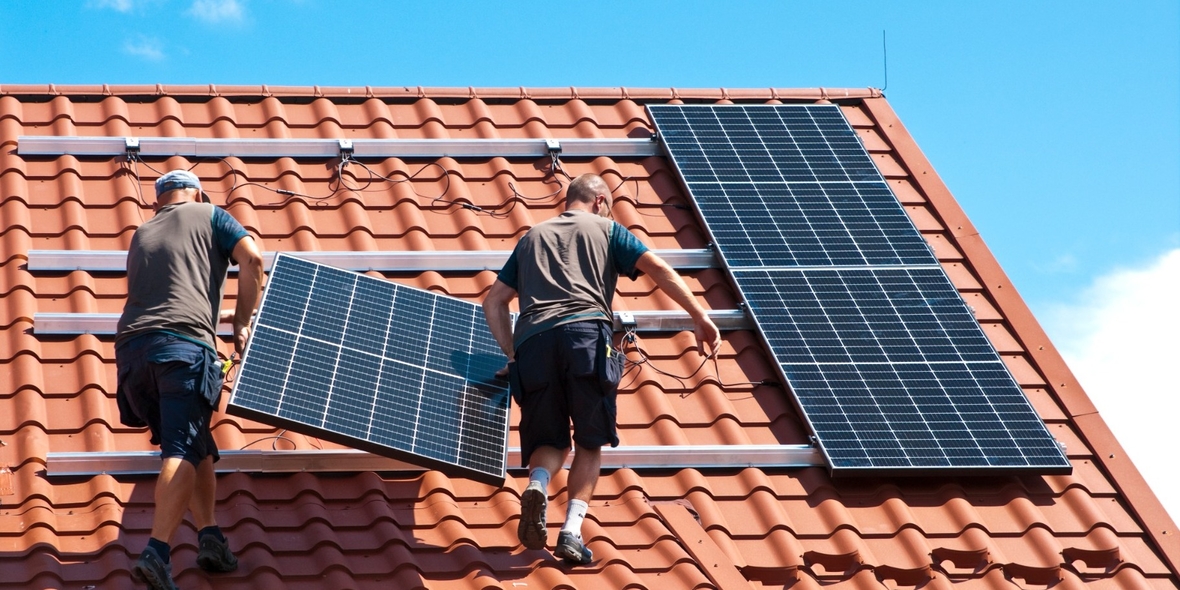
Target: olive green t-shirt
column 176, row 269
column 565, row 269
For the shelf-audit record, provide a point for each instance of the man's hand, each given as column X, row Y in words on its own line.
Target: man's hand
column 707, row 333
column 241, row 337
column 249, row 284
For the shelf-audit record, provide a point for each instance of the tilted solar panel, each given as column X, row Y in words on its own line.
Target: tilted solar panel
column 377, row 366
column 887, row 363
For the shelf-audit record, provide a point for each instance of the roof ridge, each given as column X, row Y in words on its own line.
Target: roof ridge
column 467, row 92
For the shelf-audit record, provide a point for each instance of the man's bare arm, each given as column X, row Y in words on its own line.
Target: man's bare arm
column 249, row 284
column 499, row 318
column 669, row 282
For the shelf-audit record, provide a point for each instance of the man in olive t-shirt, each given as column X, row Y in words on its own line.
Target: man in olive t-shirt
column 562, row 365
column 169, row 378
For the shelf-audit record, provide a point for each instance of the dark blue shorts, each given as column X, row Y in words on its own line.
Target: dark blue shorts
column 171, row 385
column 567, row 374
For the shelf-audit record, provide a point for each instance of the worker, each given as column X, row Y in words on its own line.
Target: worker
column 563, row 364
column 169, row 375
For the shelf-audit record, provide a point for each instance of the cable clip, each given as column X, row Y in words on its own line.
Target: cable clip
column 131, row 145
column 346, row 149
column 628, row 324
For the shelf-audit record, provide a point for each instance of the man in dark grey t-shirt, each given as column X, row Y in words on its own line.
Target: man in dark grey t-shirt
column 562, row 366
column 169, row 378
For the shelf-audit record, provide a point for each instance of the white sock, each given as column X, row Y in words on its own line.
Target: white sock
column 540, row 474
column 575, row 513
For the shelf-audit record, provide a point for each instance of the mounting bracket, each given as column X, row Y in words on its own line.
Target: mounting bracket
column 346, row 149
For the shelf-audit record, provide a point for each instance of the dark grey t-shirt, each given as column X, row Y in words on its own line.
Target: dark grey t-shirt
column 565, row 270
column 176, row 269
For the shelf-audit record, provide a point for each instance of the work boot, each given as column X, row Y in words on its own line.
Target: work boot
column 214, row 555
column 151, row 569
column 572, row 550
column 531, row 529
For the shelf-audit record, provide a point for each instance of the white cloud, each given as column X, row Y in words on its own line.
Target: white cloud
column 148, row 48
column 1065, row 263
column 216, row 11
column 124, row 6
column 118, row 5
column 1121, row 338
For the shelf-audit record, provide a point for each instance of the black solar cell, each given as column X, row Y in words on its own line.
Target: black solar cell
column 377, row 366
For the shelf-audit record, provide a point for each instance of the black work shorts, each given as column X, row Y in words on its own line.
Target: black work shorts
column 171, row 385
column 567, row 374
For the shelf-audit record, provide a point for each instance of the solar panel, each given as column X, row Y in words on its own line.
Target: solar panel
column 887, row 363
column 377, row 366
column 787, row 186
column 863, row 315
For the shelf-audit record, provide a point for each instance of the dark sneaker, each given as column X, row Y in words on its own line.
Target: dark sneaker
column 572, row 550
column 531, row 529
column 214, row 555
column 152, row 570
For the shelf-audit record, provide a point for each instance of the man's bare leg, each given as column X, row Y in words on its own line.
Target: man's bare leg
column 204, row 495
column 174, row 489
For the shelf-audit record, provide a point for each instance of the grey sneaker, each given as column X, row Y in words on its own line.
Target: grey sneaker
column 151, row 569
column 572, row 550
column 214, row 555
column 531, row 529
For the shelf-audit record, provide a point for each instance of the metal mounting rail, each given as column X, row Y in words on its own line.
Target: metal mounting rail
column 349, row 460
column 40, row 145
column 104, row 324
column 380, row 261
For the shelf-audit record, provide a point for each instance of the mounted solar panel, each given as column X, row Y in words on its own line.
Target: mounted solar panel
column 787, row 186
column 887, row 363
column 377, row 366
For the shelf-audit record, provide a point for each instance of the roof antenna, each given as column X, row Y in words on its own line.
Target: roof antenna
column 885, row 60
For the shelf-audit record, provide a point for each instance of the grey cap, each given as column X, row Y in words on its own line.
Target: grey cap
column 179, row 179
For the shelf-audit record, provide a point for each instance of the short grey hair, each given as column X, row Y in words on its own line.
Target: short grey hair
column 585, row 187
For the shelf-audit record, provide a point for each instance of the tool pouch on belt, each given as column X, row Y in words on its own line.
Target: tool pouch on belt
column 610, row 365
column 214, row 379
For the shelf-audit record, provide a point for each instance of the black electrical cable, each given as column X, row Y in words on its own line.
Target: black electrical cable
column 504, row 208
column 134, row 170
column 635, row 197
column 629, row 337
column 274, row 441
column 408, row 177
column 339, row 184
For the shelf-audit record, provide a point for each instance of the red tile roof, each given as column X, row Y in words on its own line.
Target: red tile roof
column 688, row 528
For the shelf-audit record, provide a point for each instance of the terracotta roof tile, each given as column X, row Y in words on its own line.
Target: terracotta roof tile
column 775, row 528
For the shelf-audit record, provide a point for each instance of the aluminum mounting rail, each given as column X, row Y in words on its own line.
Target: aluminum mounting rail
column 41, row 145
column 104, row 324
column 385, row 261
column 349, row 460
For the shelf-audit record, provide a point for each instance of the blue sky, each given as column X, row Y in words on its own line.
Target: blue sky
column 1055, row 125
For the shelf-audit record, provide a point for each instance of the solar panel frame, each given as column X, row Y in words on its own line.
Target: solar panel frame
column 343, row 356
column 883, row 243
